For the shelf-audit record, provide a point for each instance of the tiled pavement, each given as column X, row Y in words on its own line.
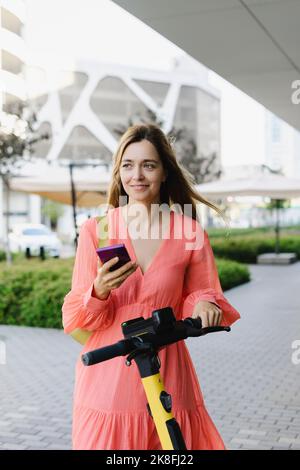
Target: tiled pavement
column 250, row 385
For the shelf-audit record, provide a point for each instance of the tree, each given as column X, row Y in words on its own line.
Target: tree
column 278, row 204
column 18, row 136
column 53, row 211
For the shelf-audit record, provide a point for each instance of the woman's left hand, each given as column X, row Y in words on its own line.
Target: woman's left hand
column 210, row 314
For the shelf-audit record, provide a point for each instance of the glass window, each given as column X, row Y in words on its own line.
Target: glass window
column 275, row 129
column 36, row 231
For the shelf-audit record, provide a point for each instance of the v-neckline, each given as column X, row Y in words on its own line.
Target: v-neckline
column 130, row 247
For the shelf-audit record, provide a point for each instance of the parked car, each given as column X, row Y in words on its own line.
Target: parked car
column 33, row 237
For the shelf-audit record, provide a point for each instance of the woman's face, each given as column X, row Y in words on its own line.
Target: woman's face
column 141, row 172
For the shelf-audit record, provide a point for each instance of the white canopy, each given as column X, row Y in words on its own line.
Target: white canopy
column 267, row 185
column 55, row 183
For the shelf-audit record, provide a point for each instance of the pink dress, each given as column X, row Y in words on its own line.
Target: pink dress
column 109, row 409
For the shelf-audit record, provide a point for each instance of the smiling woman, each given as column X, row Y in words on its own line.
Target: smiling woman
column 110, row 407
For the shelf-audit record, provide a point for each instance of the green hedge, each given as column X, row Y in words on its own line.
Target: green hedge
column 245, row 249
column 224, row 232
column 231, row 273
column 32, row 291
column 14, row 256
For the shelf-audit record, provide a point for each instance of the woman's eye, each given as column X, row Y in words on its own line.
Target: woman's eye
column 147, row 165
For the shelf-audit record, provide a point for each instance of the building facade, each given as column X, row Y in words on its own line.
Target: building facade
column 83, row 104
column 12, row 53
column 12, row 79
column 282, row 146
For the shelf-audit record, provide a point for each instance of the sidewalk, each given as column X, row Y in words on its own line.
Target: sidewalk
column 250, row 385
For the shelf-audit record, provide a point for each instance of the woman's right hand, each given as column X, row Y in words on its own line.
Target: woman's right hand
column 108, row 280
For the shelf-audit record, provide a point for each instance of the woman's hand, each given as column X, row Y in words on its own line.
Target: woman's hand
column 108, row 280
column 210, row 314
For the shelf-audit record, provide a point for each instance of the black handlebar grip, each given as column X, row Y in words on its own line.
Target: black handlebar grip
column 109, row 352
column 194, row 322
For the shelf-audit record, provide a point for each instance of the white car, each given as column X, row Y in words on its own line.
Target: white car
column 34, row 236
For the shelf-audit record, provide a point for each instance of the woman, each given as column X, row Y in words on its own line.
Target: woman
column 109, row 401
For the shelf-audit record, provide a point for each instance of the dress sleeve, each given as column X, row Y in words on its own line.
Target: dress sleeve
column 80, row 309
column 201, row 282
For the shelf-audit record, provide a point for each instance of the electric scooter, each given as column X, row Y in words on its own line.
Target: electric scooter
column 143, row 340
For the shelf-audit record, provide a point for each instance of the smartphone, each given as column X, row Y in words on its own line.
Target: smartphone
column 108, row 252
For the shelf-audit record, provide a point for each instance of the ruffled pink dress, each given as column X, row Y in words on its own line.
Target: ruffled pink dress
column 109, row 408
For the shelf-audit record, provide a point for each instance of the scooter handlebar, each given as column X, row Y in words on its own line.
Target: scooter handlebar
column 190, row 327
column 194, row 328
column 109, row 352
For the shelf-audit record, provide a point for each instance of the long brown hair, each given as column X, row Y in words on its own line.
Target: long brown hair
column 177, row 189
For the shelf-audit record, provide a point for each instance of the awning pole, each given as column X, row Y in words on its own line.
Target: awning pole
column 277, row 228
column 73, row 194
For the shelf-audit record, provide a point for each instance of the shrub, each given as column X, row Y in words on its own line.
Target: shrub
column 32, row 292
column 231, row 273
column 245, row 249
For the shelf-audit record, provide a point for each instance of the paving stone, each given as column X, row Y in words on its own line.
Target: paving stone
column 4, row 423
column 50, row 435
column 24, row 430
column 246, row 447
column 281, row 447
column 31, row 409
column 11, row 440
column 289, row 440
column 11, row 446
column 31, row 437
column 58, row 447
column 15, row 415
column 246, row 442
column 252, row 432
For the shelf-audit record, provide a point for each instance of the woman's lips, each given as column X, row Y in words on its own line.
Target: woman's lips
column 139, row 187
